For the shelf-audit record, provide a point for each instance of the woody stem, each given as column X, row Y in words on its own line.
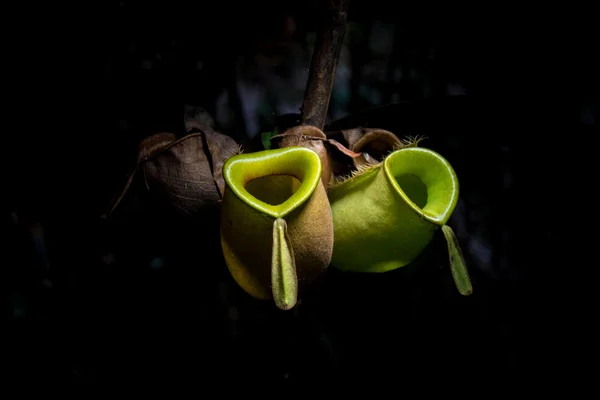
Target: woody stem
column 328, row 47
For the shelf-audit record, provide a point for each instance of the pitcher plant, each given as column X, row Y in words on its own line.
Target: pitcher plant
column 385, row 214
column 276, row 223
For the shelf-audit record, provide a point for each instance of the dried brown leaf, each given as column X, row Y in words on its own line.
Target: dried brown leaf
column 181, row 174
column 184, row 172
column 343, row 149
column 373, row 144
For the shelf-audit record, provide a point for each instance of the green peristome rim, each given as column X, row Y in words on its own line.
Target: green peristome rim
column 449, row 187
column 300, row 162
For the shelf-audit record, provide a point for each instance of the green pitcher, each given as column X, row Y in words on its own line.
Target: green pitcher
column 385, row 215
column 276, row 223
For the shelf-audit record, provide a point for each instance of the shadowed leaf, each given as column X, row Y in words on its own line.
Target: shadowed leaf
column 283, row 268
column 457, row 263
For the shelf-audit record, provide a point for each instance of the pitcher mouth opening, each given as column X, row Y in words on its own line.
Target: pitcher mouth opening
column 425, row 181
column 414, row 188
column 273, row 189
column 296, row 172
